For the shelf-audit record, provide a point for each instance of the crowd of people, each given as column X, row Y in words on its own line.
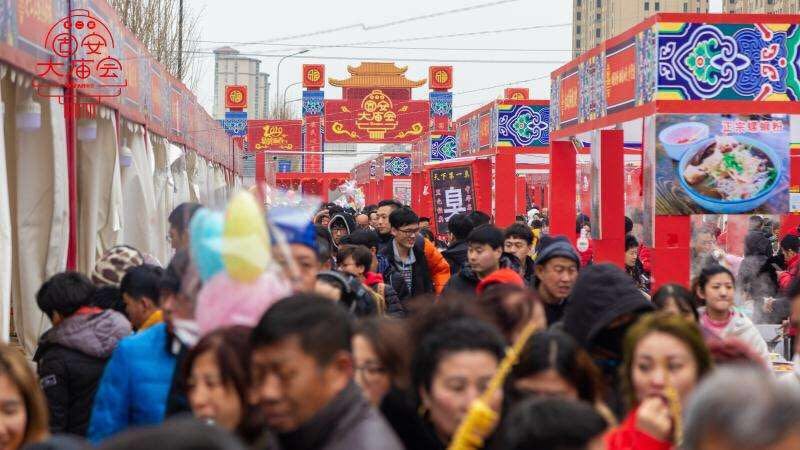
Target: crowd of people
column 381, row 334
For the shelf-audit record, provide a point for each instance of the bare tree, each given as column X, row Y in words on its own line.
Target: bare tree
column 155, row 23
column 281, row 110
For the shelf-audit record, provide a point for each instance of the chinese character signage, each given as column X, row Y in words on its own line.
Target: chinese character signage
column 80, row 45
column 516, row 93
column 273, row 135
column 620, row 76
column 722, row 164
column 236, row 97
column 313, row 76
column 453, row 193
column 440, row 78
column 375, row 118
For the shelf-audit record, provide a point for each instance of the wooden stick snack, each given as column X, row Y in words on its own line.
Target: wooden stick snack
column 674, row 404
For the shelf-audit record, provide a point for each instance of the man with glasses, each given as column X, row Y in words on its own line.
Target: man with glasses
column 423, row 268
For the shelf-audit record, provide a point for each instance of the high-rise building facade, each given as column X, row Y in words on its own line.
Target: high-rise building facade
column 761, row 6
column 230, row 68
column 595, row 21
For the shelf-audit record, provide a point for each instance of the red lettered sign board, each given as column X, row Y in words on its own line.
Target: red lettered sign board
column 620, row 77
column 273, row 135
column 375, row 118
column 568, row 100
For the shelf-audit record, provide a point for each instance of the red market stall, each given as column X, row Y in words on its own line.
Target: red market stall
column 689, row 88
column 317, row 184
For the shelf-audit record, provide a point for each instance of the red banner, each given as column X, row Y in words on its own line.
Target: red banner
column 620, row 77
column 273, row 135
column 485, row 131
column 375, row 118
column 568, row 99
column 313, row 143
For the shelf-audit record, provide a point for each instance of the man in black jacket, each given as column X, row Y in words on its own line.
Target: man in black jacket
column 319, row 406
column 72, row 355
column 405, row 253
column 485, row 249
column 459, row 226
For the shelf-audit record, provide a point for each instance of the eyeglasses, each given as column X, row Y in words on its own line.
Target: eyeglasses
column 369, row 372
column 409, row 232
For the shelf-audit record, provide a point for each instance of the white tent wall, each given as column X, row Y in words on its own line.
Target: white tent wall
column 177, row 158
column 99, row 192
column 162, row 187
column 36, row 166
column 201, row 180
column 139, row 217
column 5, row 233
column 219, row 187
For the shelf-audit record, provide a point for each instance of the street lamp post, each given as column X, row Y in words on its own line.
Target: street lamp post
column 285, row 90
column 278, row 70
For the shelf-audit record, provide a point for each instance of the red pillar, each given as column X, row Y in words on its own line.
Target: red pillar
column 504, row 187
column 326, row 189
column 562, row 189
column 611, row 248
column 522, row 187
column 670, row 257
column 482, row 183
column 387, row 186
column 790, row 222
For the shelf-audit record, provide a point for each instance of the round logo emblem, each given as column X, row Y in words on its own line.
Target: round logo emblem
column 236, row 96
column 313, row 75
column 441, row 76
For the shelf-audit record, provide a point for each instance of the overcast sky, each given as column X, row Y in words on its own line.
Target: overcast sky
column 534, row 52
column 503, row 33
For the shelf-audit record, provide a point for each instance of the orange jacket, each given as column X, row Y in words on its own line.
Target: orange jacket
column 438, row 266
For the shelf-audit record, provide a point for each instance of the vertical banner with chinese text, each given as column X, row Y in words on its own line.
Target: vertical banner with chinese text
column 453, row 193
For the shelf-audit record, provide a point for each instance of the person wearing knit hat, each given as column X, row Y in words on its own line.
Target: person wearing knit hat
column 555, row 272
column 111, row 267
column 502, row 276
column 603, row 304
column 304, row 249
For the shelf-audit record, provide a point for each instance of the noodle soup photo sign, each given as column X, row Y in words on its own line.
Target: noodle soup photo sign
column 722, row 164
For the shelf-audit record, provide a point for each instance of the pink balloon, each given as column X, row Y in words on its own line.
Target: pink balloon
column 224, row 301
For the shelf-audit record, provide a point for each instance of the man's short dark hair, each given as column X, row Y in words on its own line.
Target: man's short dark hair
column 390, row 202
column 460, row 225
column 403, row 216
column 180, row 216
column 790, row 242
column 360, row 254
column 142, row 281
column 479, row 218
column 551, row 423
column 324, row 243
column 487, row 234
column 367, row 238
column 65, row 293
column 630, row 242
column 519, row 231
column 424, row 219
column 322, row 326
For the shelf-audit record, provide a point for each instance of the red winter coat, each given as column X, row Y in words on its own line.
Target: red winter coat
column 644, row 257
column 785, row 279
column 628, row 437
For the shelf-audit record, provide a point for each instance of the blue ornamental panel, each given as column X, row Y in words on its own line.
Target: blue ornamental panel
column 235, row 123
column 523, row 126
column 397, row 166
column 441, row 104
column 443, row 147
column 313, row 103
column 699, row 61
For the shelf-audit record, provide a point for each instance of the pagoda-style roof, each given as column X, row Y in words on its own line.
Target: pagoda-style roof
column 376, row 74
